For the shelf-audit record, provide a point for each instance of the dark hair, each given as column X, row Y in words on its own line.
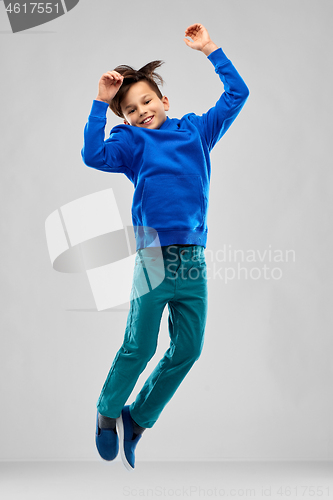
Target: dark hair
column 131, row 76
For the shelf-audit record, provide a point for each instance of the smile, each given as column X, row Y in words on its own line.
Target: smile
column 148, row 120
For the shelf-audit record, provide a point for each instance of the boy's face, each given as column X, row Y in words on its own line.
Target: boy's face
column 142, row 103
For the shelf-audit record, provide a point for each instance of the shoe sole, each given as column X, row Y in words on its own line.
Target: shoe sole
column 120, row 430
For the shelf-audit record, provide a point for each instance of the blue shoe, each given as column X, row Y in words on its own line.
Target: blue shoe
column 127, row 444
column 107, row 442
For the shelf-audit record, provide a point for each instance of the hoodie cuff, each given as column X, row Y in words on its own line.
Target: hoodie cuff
column 218, row 57
column 99, row 108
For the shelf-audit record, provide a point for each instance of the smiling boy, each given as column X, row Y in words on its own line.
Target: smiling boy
column 168, row 162
column 143, row 108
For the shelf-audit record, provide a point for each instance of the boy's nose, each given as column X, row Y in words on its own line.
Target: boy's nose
column 143, row 116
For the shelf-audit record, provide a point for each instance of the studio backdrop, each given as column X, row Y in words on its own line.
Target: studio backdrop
column 262, row 388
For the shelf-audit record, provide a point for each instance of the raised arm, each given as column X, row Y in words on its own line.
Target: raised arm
column 214, row 124
column 112, row 155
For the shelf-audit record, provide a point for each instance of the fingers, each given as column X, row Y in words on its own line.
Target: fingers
column 194, row 26
column 113, row 76
column 193, row 29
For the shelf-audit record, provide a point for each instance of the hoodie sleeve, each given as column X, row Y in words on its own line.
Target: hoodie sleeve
column 214, row 124
column 112, row 155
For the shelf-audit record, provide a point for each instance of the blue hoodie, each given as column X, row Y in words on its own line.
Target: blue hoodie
column 169, row 166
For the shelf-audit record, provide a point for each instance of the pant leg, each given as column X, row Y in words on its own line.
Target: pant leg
column 140, row 341
column 187, row 321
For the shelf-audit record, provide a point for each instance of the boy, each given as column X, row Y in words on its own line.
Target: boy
column 168, row 162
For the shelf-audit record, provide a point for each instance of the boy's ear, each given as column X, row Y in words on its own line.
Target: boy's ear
column 166, row 103
column 126, row 123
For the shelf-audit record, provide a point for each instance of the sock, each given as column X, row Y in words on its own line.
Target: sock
column 137, row 429
column 106, row 422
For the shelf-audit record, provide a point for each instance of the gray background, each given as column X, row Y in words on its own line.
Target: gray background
column 263, row 385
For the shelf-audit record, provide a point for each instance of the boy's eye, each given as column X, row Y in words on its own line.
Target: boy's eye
column 132, row 110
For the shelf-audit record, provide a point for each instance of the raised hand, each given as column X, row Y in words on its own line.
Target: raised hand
column 109, row 85
column 201, row 39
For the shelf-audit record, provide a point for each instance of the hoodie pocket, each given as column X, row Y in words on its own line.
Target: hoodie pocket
column 173, row 202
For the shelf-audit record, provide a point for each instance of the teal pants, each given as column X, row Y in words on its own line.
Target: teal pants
column 184, row 290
